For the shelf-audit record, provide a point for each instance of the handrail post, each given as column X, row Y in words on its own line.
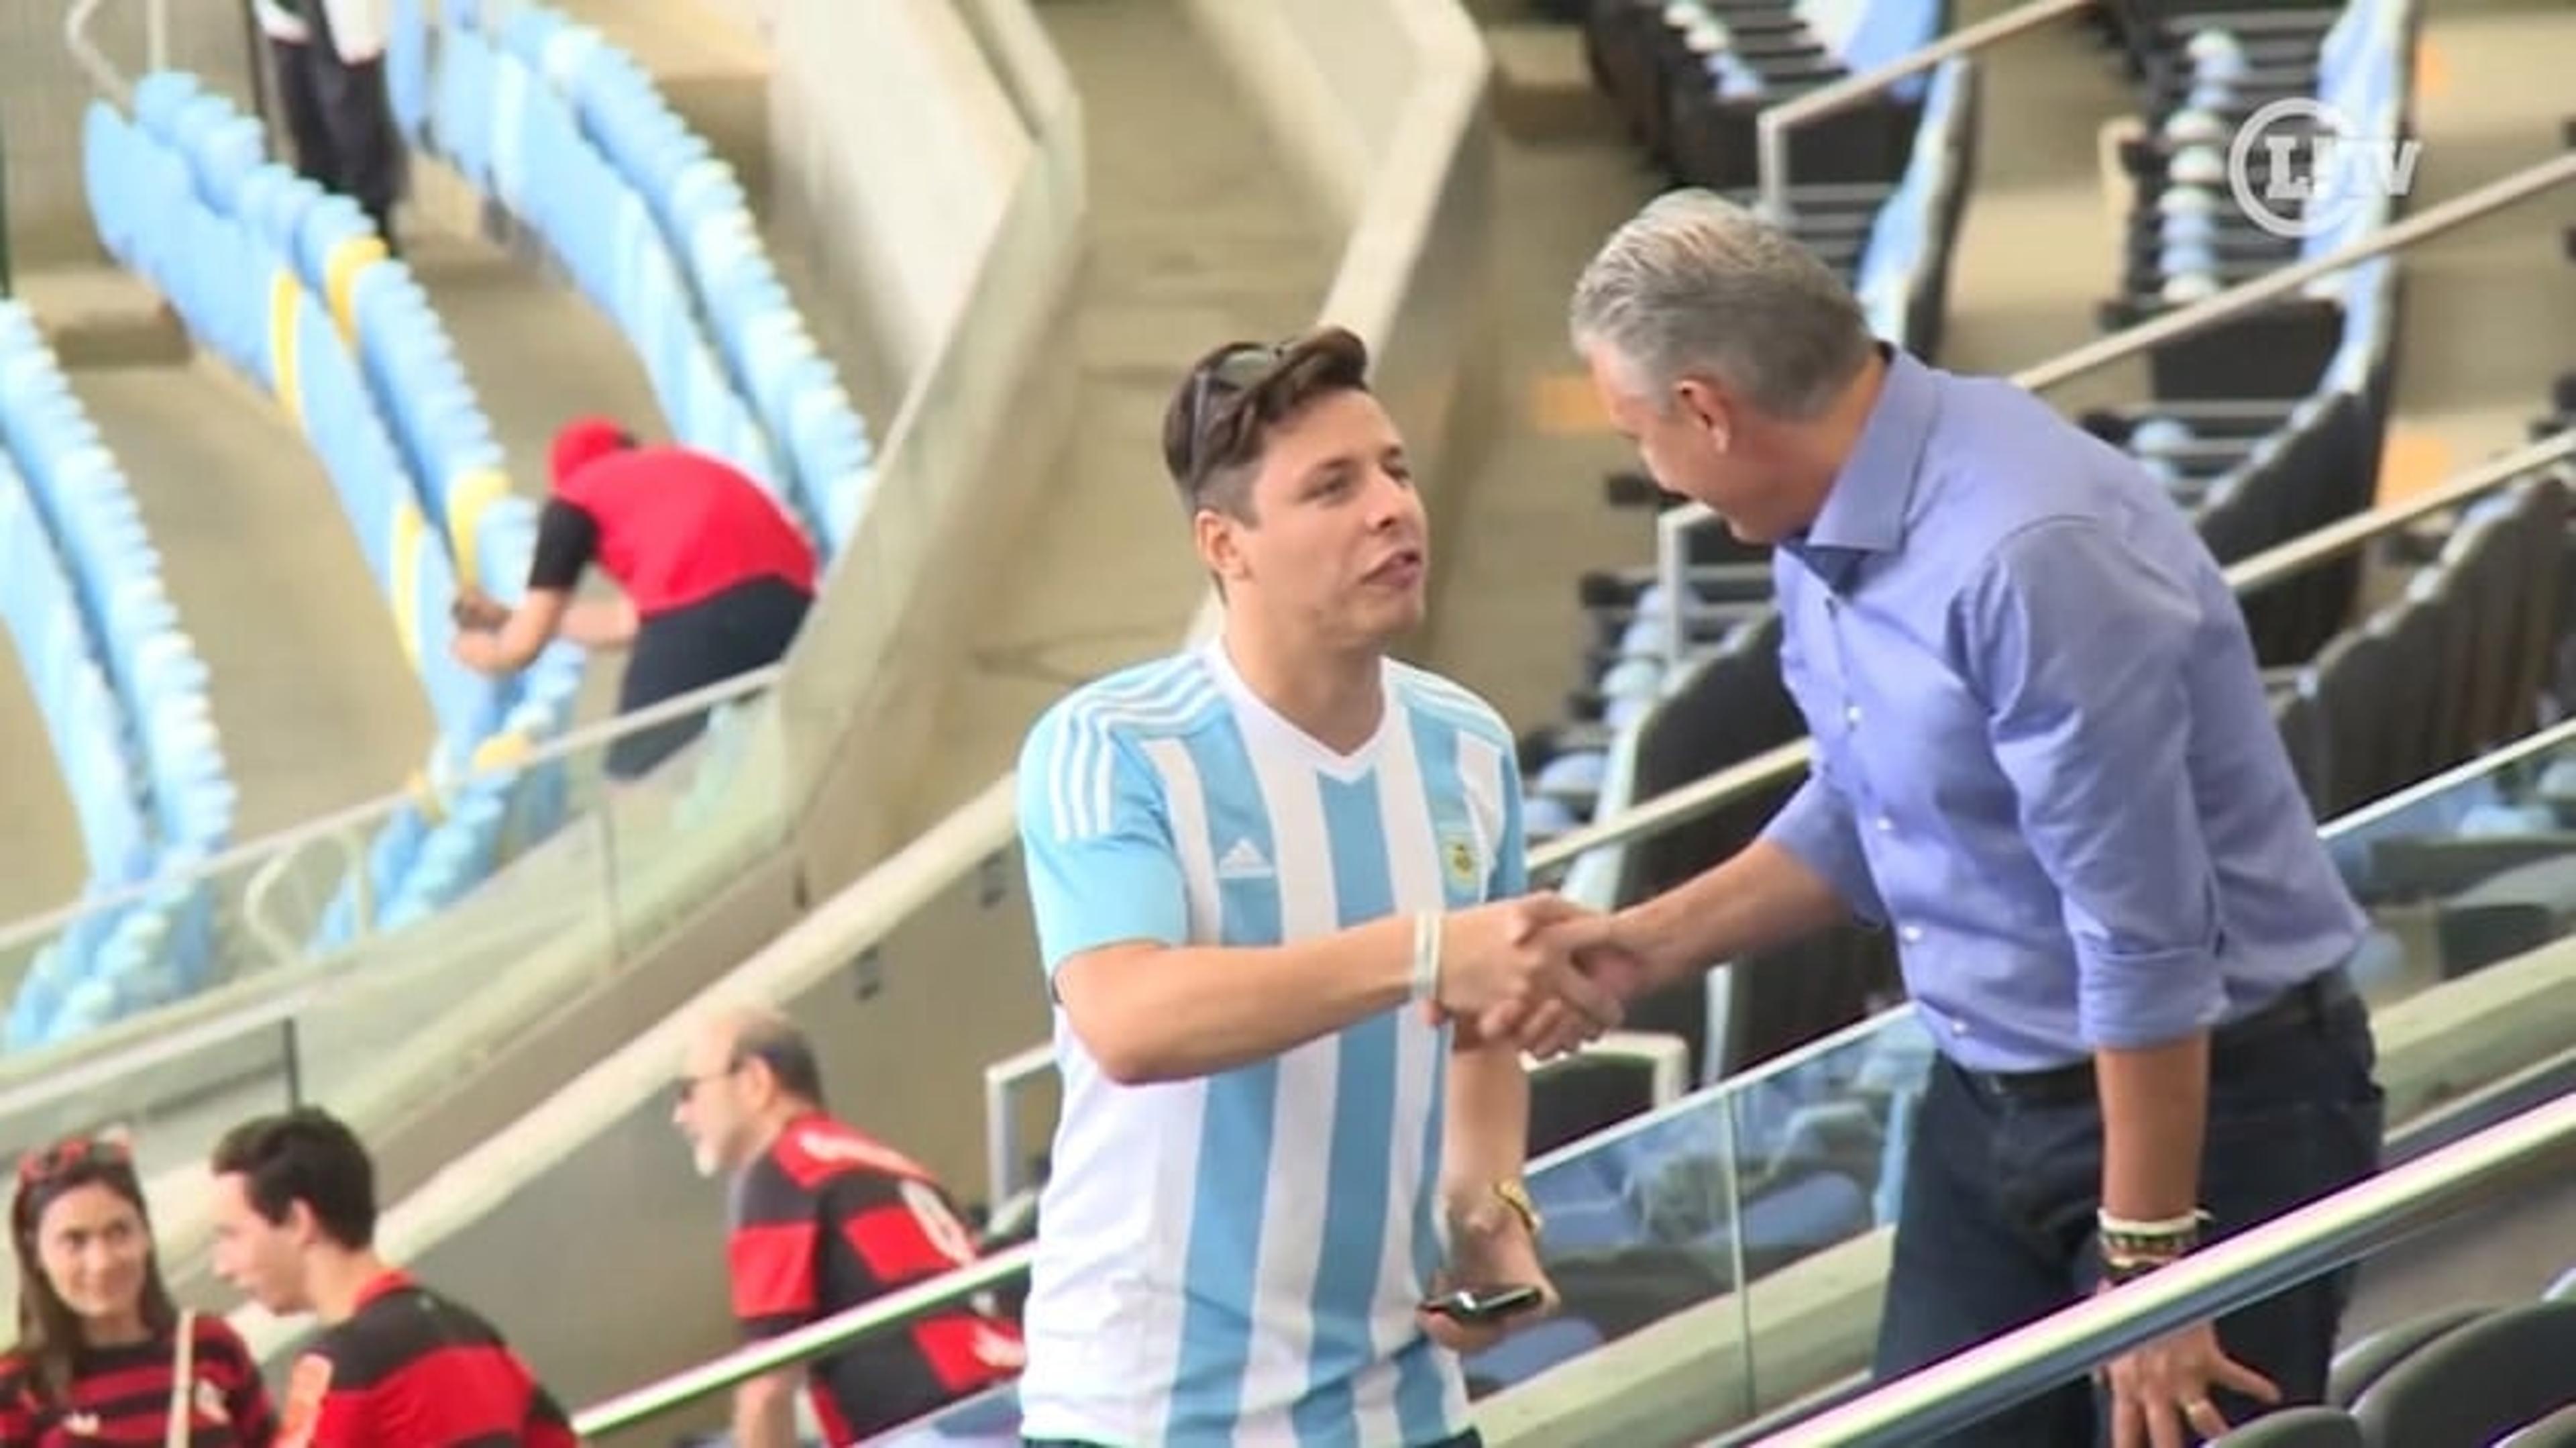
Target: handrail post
column 1771, row 126
column 4, row 212
column 86, row 54
column 1746, row 776
column 2422, row 225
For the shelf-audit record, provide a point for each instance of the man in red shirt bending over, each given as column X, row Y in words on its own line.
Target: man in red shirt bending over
column 295, row 1220
column 714, row 577
column 825, row 1218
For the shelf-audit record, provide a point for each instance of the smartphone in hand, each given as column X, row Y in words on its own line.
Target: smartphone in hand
column 1484, row 1306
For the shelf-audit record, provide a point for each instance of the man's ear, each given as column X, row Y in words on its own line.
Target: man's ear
column 1706, row 406
column 1220, row 543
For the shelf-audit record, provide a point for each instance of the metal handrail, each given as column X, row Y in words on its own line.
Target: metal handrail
column 876, row 1316
column 2444, row 1180
column 1771, row 767
column 810, row 1341
column 2432, row 221
column 581, row 739
column 2538, row 1145
column 103, row 73
column 1771, row 126
column 288, row 999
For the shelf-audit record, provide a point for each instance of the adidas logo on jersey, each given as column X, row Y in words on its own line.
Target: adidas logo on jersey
column 1243, row 861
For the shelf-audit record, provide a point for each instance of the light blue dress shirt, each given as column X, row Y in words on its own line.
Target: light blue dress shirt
column 2044, row 757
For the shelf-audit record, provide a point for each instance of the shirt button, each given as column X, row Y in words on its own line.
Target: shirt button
column 1958, row 1027
column 1886, row 826
column 1911, row 933
column 1851, row 714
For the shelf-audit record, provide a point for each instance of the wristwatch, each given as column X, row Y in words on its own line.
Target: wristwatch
column 1513, row 1193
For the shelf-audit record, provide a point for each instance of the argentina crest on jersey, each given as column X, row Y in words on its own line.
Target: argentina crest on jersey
column 1463, row 867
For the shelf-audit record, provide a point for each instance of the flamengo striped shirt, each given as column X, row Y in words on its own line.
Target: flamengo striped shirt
column 1239, row 1258
column 828, row 1218
column 122, row 1395
column 410, row 1366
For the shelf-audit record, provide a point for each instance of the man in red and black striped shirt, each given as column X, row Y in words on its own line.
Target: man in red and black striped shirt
column 825, row 1218
column 295, row 1221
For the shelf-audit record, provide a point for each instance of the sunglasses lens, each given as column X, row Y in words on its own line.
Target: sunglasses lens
column 1244, row 366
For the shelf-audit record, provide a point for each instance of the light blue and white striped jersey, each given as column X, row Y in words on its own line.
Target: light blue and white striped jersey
column 1238, row 1259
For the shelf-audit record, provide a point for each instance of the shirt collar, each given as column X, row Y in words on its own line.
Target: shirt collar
column 383, row 1284
column 1864, row 512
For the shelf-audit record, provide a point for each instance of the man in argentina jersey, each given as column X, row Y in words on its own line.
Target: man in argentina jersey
column 1267, row 873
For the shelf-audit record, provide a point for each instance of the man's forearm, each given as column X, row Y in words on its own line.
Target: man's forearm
column 1177, row 1013
column 764, row 1412
column 1760, row 897
column 1487, row 1138
column 2155, row 1108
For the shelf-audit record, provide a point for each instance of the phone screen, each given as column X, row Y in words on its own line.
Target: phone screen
column 1485, row 1304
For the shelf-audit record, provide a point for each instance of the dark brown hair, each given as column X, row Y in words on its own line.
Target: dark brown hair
column 49, row 1332
column 1220, row 417
column 305, row 1155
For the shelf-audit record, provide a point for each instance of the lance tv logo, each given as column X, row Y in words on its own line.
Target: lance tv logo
column 2298, row 170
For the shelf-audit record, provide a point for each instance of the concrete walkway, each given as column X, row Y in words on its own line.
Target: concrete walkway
column 1195, row 237
column 314, row 702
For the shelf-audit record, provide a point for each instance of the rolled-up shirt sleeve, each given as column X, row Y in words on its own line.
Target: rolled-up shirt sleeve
column 2079, row 649
column 1816, row 826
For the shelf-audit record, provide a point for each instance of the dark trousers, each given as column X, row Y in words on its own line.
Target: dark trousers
column 340, row 120
column 1466, row 1439
column 2004, row 1178
column 1469, row 1439
column 695, row 646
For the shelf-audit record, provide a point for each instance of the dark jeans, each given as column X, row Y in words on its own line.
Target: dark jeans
column 1468, row 1439
column 746, row 627
column 340, row 120
column 2002, row 1185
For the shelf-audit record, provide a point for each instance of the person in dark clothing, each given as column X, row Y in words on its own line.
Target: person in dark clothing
column 295, row 1221
column 330, row 64
column 103, row 1354
column 825, row 1218
column 714, row 578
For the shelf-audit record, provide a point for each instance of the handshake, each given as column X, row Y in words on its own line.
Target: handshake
column 1540, row 971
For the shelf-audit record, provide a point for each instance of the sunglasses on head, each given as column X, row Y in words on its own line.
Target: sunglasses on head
column 1233, row 372
column 39, row 1167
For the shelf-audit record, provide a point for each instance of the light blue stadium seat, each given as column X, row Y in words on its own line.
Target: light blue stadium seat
column 1573, row 775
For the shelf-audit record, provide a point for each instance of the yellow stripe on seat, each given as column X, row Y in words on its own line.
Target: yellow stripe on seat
column 467, row 496
column 404, row 582
column 347, row 260
column 286, row 373
column 431, row 801
column 503, row 751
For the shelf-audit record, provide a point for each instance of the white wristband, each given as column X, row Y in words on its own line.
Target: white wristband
column 1426, row 956
column 2169, row 1227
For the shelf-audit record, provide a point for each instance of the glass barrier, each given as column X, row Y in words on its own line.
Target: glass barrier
column 1692, row 1202
column 533, row 874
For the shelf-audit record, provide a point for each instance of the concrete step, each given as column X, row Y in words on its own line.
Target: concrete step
column 1543, row 88
column 316, row 705
column 712, row 63
column 95, row 314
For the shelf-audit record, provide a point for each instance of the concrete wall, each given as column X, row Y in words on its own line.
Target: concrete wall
column 594, row 1171
column 43, row 93
column 964, row 458
column 896, row 154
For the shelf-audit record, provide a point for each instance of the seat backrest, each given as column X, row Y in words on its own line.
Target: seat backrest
column 2412, row 709
column 2364, row 1362
column 2477, row 1383
column 2558, row 1430
column 2309, row 1427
